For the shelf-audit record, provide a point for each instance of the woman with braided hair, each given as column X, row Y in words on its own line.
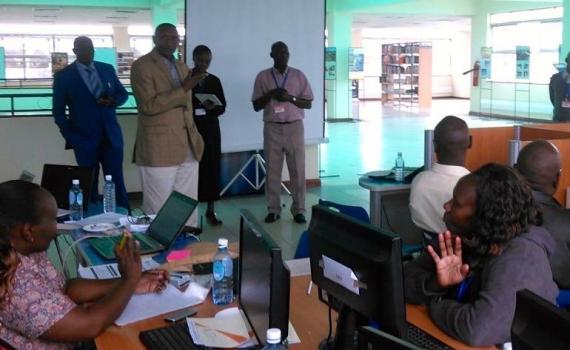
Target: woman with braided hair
column 493, row 248
column 38, row 308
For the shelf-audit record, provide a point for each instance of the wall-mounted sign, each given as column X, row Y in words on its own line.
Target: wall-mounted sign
column 330, row 63
column 523, row 62
column 485, row 69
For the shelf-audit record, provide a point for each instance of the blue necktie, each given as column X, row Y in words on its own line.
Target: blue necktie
column 94, row 84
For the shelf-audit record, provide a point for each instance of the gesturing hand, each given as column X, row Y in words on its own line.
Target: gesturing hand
column 450, row 269
column 152, row 281
column 128, row 259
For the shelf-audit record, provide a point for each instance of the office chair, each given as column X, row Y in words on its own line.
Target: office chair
column 396, row 217
column 356, row 212
column 563, row 299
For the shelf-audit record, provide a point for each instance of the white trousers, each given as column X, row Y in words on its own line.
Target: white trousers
column 159, row 182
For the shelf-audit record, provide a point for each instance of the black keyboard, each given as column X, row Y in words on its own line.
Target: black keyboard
column 175, row 337
column 424, row 340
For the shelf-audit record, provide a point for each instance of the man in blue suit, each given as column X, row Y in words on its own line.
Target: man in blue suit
column 91, row 91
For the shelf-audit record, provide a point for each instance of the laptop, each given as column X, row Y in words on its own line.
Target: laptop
column 162, row 231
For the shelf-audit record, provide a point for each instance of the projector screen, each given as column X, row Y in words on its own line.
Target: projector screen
column 240, row 34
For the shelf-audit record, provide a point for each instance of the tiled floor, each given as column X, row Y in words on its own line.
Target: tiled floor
column 354, row 148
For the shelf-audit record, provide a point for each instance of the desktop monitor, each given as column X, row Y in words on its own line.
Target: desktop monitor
column 56, row 179
column 538, row 324
column 263, row 280
column 375, row 258
column 373, row 339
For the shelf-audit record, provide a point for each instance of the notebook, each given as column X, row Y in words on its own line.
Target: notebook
column 162, row 231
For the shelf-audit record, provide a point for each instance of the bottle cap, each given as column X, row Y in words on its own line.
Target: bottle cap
column 108, row 178
column 75, row 182
column 399, row 154
column 223, row 242
column 273, row 335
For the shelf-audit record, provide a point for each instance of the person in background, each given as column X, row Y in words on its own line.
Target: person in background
column 38, row 308
column 168, row 145
column 206, row 118
column 539, row 163
column 283, row 93
column 492, row 249
column 559, row 89
column 433, row 187
column 92, row 92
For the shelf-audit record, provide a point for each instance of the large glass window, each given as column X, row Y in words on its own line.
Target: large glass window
column 540, row 30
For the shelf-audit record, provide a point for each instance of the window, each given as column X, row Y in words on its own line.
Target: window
column 540, row 30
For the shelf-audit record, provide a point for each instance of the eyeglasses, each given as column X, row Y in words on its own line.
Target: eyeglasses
column 138, row 217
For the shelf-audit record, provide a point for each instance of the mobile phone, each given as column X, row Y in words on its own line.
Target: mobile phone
column 178, row 315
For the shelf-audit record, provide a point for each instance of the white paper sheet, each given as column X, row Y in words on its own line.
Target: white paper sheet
column 213, row 98
column 227, row 329
column 108, row 271
column 143, row 306
column 340, row 274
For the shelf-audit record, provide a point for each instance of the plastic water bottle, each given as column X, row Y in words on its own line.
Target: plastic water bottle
column 109, row 201
column 75, row 201
column 399, row 168
column 274, row 340
column 223, row 268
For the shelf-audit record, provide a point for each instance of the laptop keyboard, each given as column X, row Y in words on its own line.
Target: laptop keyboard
column 424, row 340
column 107, row 244
column 173, row 337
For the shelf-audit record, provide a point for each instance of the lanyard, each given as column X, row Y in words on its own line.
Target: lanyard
column 284, row 79
column 463, row 287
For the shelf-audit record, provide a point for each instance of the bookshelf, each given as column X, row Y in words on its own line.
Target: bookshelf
column 406, row 74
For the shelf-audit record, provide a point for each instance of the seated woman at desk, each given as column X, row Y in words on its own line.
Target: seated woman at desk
column 492, row 249
column 38, row 309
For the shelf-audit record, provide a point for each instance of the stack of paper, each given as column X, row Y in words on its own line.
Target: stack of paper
column 143, row 306
column 226, row 329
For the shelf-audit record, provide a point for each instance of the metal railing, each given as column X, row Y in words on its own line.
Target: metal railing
column 40, row 105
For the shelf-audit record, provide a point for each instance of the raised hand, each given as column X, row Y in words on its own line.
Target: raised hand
column 128, row 259
column 152, row 281
column 450, row 269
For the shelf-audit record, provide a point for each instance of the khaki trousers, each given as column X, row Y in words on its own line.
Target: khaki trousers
column 284, row 140
column 159, row 182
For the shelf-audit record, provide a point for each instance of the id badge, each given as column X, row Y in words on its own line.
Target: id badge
column 199, row 112
column 278, row 108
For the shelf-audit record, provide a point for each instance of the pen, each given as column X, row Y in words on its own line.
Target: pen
column 123, row 240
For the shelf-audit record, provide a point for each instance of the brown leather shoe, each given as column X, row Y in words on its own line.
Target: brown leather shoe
column 213, row 219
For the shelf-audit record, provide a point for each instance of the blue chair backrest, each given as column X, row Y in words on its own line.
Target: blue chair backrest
column 358, row 213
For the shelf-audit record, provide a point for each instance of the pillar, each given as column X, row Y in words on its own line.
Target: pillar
column 339, row 25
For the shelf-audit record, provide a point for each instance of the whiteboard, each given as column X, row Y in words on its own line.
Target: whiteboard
column 240, row 34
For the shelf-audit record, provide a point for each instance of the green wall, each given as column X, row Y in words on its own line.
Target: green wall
column 2, row 64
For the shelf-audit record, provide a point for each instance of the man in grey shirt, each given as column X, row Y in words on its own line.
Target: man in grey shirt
column 539, row 162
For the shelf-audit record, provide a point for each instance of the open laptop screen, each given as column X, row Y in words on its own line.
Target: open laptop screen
column 171, row 218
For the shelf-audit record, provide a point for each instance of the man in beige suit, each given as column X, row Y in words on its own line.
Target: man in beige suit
column 168, row 146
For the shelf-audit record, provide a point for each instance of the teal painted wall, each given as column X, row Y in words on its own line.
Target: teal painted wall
column 2, row 64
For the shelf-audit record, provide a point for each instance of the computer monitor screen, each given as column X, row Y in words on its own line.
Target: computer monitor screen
column 374, row 256
column 264, row 280
column 56, row 179
column 373, row 339
column 171, row 217
column 538, row 324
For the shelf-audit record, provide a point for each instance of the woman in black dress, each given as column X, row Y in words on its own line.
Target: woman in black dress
column 206, row 115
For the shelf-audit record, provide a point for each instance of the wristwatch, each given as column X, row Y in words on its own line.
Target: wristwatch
column 294, row 99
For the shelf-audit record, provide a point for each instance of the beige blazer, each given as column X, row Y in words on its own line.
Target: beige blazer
column 165, row 126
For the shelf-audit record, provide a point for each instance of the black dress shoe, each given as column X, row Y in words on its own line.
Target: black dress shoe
column 212, row 219
column 272, row 217
column 300, row 218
